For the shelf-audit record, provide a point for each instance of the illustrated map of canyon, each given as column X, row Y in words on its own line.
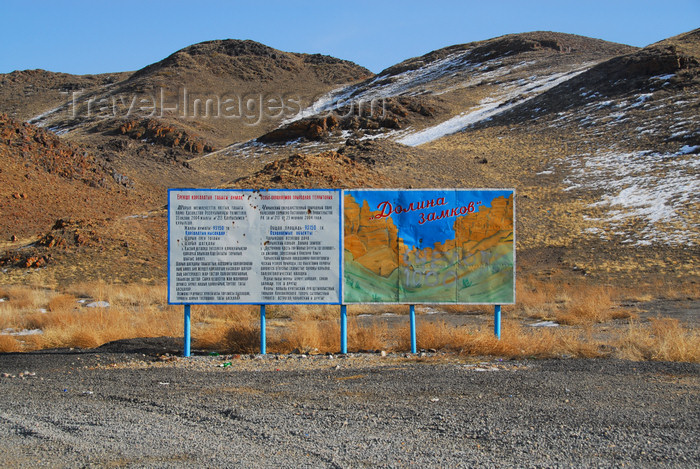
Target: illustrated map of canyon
column 429, row 246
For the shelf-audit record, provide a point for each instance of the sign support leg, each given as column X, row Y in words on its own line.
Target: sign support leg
column 497, row 321
column 343, row 329
column 263, row 338
column 186, row 351
column 413, row 328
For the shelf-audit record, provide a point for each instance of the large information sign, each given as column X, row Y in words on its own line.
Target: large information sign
column 254, row 247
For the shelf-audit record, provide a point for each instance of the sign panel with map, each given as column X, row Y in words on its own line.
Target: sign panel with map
column 429, row 246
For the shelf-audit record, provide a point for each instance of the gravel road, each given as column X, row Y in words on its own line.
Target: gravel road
column 124, row 405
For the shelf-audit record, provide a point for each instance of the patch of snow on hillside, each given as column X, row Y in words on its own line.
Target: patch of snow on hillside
column 661, row 191
column 39, row 120
column 453, row 125
column 641, row 99
column 489, row 107
column 687, row 149
column 384, row 86
column 325, row 103
column 408, row 83
column 663, row 77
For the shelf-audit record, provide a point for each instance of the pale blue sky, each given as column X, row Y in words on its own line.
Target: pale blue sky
column 98, row 36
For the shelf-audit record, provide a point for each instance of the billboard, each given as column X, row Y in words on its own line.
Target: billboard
column 429, row 246
column 254, row 247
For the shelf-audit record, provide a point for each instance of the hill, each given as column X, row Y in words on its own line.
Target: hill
column 221, row 91
column 26, row 94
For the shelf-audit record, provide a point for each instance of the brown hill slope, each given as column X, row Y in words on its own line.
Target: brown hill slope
column 43, row 179
column 59, row 204
column 222, row 91
column 26, row 94
column 666, row 68
column 150, row 123
column 546, row 42
column 609, row 162
column 423, row 91
column 603, row 150
column 324, row 170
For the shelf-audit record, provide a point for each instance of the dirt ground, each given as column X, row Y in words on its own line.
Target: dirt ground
column 127, row 404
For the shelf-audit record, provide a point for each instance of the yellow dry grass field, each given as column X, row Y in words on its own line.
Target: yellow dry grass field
column 592, row 324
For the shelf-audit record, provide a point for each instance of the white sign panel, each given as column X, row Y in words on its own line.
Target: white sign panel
column 254, row 247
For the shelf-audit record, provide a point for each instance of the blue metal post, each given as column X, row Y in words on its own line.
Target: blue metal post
column 413, row 329
column 186, row 351
column 497, row 321
column 263, row 339
column 343, row 329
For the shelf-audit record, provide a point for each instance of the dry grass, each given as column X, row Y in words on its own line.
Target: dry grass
column 241, row 338
column 302, row 312
column 62, row 303
column 356, row 310
column 308, row 337
column 576, row 305
column 233, row 329
column 9, row 344
column 369, row 337
column 140, row 311
column 586, row 306
column 63, row 322
column 515, row 342
column 659, row 289
column 662, row 339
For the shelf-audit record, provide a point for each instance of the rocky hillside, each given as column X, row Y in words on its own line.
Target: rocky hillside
column 26, row 94
column 222, row 91
column 323, row 170
column 43, row 178
column 56, row 199
column 425, row 98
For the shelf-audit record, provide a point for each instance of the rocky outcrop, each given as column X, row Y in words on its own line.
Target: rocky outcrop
column 375, row 115
column 324, row 170
column 159, row 132
column 313, row 128
column 249, row 60
column 46, row 150
column 64, row 234
column 513, row 44
column 658, row 60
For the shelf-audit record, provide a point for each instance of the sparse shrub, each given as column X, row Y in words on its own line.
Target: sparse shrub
column 437, row 335
column 310, row 337
column 23, row 298
column 303, row 312
column 368, row 337
column 242, row 338
column 588, row 305
column 140, row 311
column 9, row 344
column 210, row 337
column 63, row 303
column 84, row 338
column 661, row 339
